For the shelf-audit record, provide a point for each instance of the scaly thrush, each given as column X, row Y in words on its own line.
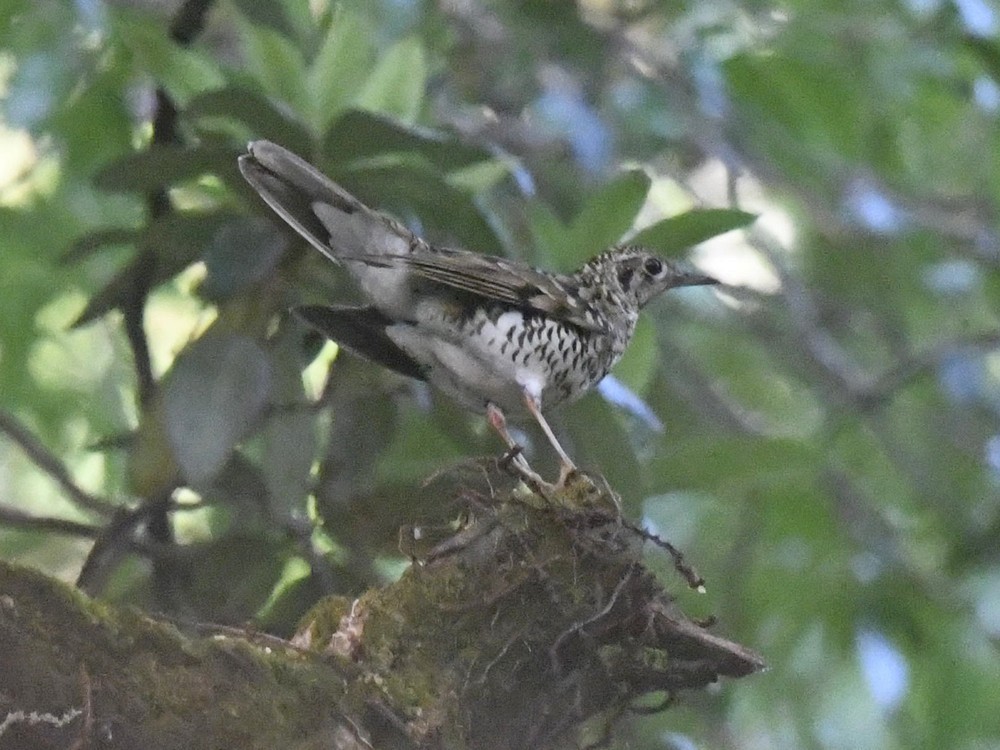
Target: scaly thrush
column 494, row 334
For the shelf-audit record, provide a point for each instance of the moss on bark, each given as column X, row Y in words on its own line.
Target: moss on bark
column 535, row 619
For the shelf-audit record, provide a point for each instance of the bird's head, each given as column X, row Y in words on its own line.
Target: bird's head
column 643, row 275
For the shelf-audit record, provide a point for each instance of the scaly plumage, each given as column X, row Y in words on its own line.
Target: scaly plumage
column 494, row 334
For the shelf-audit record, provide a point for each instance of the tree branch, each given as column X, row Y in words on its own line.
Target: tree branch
column 47, row 462
column 450, row 657
column 17, row 519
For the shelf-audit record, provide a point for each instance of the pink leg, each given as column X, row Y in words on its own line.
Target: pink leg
column 566, row 465
column 499, row 423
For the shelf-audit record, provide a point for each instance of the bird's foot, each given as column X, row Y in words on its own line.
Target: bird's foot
column 573, row 488
column 512, row 455
column 514, row 462
column 567, row 472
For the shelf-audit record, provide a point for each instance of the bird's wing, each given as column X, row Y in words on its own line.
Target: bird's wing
column 363, row 331
column 345, row 230
column 496, row 279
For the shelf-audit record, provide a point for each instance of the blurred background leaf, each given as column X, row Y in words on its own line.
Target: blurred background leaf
column 819, row 434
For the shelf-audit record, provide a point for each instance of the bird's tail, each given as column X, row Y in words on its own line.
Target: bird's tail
column 331, row 219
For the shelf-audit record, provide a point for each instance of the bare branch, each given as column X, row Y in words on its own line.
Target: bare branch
column 17, row 519
column 44, row 459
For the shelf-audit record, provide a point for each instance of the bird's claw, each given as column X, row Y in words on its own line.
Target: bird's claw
column 511, row 456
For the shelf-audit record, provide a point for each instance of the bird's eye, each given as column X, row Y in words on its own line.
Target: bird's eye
column 653, row 266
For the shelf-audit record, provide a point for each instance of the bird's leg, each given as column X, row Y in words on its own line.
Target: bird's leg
column 566, row 465
column 499, row 423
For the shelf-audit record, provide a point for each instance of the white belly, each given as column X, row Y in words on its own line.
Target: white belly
column 470, row 372
column 497, row 358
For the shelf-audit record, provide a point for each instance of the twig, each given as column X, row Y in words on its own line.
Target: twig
column 16, row 519
column 578, row 627
column 187, row 23
column 132, row 315
column 47, row 462
column 481, row 680
column 118, row 537
column 687, row 572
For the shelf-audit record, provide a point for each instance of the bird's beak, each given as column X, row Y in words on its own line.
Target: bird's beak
column 694, row 278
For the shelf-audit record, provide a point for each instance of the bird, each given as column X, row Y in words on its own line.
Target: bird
column 496, row 335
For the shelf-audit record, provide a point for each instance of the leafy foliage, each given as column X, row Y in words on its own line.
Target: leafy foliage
column 820, row 435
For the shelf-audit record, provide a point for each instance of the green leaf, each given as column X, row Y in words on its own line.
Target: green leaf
column 273, row 15
column 812, row 116
column 229, row 579
column 600, row 443
column 257, row 112
column 295, row 594
column 289, row 450
column 183, row 71
column 337, row 72
column 164, row 165
column 606, row 216
column 636, row 367
column 99, row 107
column 242, row 253
column 678, row 233
column 417, row 448
column 987, row 52
column 479, row 177
column 365, row 425
column 397, row 84
column 277, row 65
column 240, row 485
column 214, row 394
column 171, row 243
column 410, row 188
column 359, row 134
column 92, row 242
column 549, row 233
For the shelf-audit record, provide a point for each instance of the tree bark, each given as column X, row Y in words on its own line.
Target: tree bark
column 534, row 625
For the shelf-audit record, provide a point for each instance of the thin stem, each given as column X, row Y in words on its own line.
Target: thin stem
column 44, row 459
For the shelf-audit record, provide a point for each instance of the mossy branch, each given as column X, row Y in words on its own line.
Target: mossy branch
column 533, row 623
